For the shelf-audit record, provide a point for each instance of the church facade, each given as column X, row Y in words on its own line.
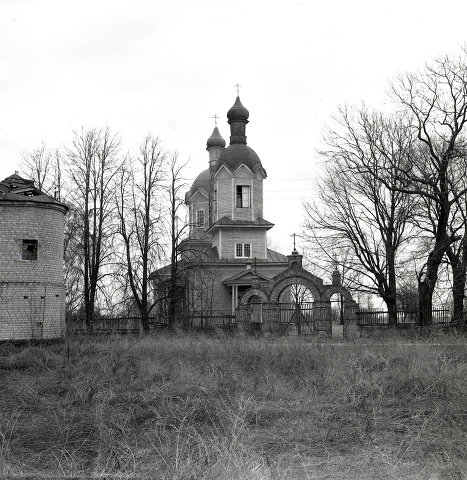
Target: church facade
column 226, row 220
column 225, row 262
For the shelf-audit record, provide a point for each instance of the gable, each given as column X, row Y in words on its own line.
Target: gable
column 244, row 277
column 243, row 171
column 201, row 192
column 223, row 172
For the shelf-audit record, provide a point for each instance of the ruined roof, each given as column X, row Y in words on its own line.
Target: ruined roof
column 18, row 189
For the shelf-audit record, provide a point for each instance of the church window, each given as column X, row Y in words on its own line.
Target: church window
column 29, row 250
column 200, row 218
column 243, row 196
column 243, row 250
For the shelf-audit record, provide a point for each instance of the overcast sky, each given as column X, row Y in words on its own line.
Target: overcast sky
column 167, row 67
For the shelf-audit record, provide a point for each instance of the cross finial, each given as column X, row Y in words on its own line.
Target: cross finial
column 237, row 86
column 294, row 239
column 215, row 119
column 334, row 260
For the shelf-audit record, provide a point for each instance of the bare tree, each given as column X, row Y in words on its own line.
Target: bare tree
column 356, row 208
column 176, row 185
column 139, row 208
column 44, row 167
column 437, row 102
column 92, row 165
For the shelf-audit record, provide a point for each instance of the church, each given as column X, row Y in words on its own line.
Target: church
column 225, row 261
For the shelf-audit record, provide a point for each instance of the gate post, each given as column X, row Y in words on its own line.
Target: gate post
column 350, row 320
column 322, row 317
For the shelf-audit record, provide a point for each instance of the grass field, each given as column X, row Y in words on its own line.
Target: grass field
column 234, row 407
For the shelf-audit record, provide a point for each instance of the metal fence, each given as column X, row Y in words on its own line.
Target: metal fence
column 281, row 319
column 123, row 325
column 380, row 318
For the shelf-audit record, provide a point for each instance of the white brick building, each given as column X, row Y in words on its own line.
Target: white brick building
column 32, row 291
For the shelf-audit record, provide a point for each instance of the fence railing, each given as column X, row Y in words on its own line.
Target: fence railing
column 380, row 318
column 197, row 320
column 280, row 319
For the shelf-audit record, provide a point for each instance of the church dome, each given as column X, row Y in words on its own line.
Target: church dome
column 203, row 180
column 215, row 140
column 238, row 112
column 236, row 154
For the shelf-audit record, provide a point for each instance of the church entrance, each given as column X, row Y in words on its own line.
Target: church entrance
column 296, row 318
column 296, row 302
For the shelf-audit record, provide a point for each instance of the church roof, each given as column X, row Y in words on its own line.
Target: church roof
column 211, row 257
column 274, row 256
column 215, row 140
column 236, row 154
column 228, row 222
column 18, row 189
column 244, row 277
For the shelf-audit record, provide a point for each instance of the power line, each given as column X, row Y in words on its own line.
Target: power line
column 290, row 180
column 289, row 190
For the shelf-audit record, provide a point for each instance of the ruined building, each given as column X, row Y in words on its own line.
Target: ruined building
column 32, row 291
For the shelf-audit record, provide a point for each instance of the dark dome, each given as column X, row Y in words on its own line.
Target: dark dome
column 236, row 154
column 238, row 112
column 203, row 180
column 215, row 140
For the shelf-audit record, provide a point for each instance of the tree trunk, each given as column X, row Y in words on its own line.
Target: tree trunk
column 458, row 267
column 458, row 296
column 392, row 311
column 425, row 303
column 391, row 292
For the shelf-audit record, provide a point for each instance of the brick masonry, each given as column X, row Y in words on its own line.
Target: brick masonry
column 32, row 292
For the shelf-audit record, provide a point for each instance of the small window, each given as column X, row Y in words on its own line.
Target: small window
column 29, row 250
column 243, row 250
column 200, row 218
column 243, row 196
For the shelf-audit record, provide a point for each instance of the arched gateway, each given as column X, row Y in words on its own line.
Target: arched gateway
column 296, row 301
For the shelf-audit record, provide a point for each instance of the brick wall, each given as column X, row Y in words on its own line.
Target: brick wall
column 18, row 223
column 31, row 310
column 32, row 293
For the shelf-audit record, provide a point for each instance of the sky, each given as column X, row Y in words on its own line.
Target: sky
column 167, row 67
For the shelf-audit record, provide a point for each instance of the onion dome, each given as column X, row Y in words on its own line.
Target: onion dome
column 238, row 112
column 215, row 140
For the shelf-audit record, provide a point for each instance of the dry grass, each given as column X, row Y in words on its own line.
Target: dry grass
column 199, row 407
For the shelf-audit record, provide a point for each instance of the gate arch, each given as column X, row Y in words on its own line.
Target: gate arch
column 280, row 286
column 330, row 291
column 251, row 292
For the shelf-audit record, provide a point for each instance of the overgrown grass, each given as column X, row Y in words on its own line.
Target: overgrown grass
column 234, row 407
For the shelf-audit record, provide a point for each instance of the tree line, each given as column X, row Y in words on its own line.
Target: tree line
column 125, row 220
column 392, row 200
